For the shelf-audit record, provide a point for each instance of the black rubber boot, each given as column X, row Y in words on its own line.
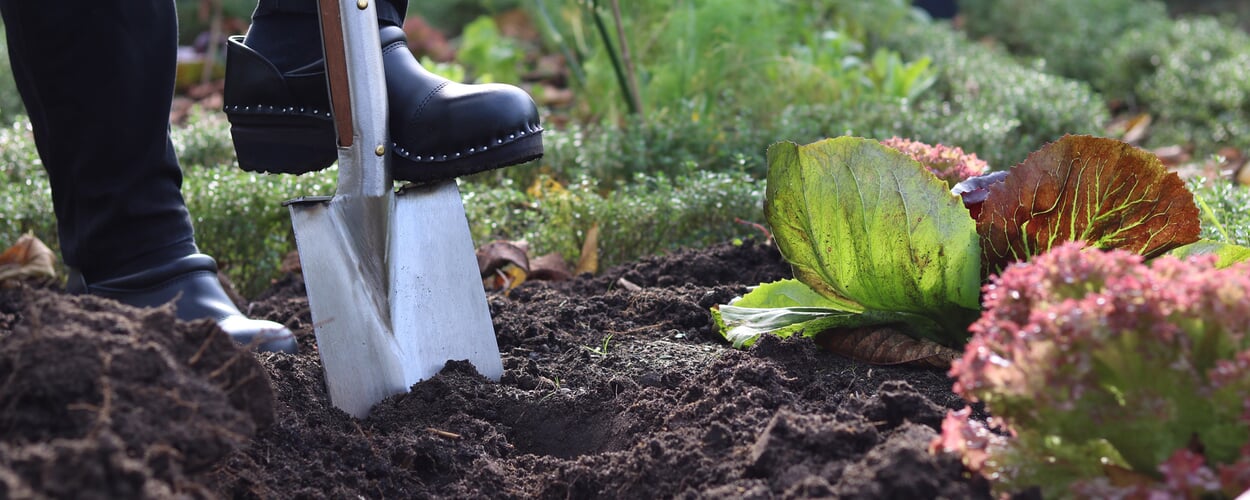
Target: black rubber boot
column 281, row 122
column 191, row 283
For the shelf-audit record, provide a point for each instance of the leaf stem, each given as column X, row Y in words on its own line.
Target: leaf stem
column 1211, row 216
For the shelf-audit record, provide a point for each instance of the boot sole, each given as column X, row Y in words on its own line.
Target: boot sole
column 296, row 144
column 283, row 145
column 527, row 148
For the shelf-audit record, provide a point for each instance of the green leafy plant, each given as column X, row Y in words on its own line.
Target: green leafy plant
column 875, row 239
column 1109, row 378
column 1225, row 210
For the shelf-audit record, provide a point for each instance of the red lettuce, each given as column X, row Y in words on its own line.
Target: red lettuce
column 1111, row 375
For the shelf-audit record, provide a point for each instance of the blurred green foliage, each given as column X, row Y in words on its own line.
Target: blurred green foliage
column 645, row 215
column 723, row 58
column 489, row 55
column 451, row 16
column 987, row 103
column 204, row 139
column 1069, row 36
column 1193, row 76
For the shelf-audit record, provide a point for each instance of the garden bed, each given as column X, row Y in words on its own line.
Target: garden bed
column 608, row 391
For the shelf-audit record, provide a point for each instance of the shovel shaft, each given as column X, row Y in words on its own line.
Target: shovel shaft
column 336, row 69
column 357, row 87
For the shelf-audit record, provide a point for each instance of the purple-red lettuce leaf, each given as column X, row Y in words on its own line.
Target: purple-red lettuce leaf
column 1104, row 192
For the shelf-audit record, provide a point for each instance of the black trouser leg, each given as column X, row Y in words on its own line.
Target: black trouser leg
column 97, row 77
column 288, row 34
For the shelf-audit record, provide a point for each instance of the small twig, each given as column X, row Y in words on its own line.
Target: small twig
column 224, row 366
column 199, row 353
column 768, row 236
column 214, row 35
column 442, row 433
column 628, row 285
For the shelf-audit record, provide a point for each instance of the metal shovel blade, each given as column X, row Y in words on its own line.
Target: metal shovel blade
column 392, row 279
column 378, row 335
column 437, row 297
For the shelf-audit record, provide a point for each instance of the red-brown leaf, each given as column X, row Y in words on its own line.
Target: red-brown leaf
column 1101, row 191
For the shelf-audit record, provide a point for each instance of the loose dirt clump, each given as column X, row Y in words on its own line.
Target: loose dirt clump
column 615, row 386
column 104, row 400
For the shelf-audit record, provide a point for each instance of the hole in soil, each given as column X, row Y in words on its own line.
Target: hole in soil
column 564, row 430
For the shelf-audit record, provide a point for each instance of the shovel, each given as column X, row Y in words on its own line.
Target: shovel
column 392, row 280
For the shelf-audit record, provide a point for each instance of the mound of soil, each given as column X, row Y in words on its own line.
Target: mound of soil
column 610, row 390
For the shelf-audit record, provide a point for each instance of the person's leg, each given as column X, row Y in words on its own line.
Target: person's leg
column 287, row 32
column 97, row 79
column 279, row 112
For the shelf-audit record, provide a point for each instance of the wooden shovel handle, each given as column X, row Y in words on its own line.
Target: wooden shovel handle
column 336, row 69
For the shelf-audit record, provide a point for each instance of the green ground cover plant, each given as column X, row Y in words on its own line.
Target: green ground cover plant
column 1069, row 37
column 646, row 215
column 1192, row 74
column 1194, row 78
column 986, row 102
column 238, row 216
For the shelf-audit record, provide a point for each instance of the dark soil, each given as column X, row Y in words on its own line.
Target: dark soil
column 607, row 392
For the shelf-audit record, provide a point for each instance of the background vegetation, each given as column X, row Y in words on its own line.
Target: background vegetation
column 673, row 104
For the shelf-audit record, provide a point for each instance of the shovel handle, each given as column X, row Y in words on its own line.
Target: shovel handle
column 336, row 69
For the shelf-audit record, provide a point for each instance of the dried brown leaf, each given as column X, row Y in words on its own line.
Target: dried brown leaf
column 550, row 267
column 29, row 258
column 1136, row 127
column 885, row 346
column 496, row 255
column 589, row 260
